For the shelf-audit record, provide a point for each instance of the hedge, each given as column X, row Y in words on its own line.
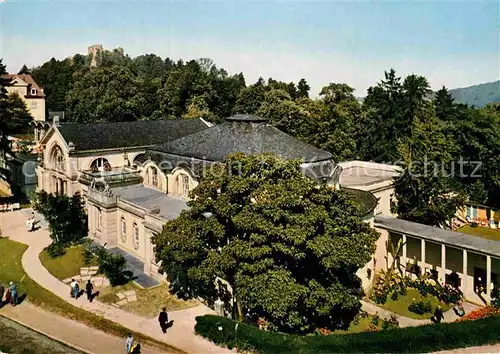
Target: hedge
column 427, row 338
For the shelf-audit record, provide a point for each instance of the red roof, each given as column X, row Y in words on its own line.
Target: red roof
column 31, row 83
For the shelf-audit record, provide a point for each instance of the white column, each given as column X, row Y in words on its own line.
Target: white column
column 464, row 271
column 443, row 263
column 488, row 276
column 422, row 256
column 403, row 258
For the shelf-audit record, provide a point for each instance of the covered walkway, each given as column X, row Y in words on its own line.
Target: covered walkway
column 469, row 262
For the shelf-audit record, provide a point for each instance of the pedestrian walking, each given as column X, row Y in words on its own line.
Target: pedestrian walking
column 438, row 315
column 129, row 342
column 2, row 289
column 7, row 296
column 89, row 288
column 163, row 319
column 75, row 289
column 13, row 293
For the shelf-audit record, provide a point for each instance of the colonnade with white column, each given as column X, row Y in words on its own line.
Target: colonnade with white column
column 465, row 285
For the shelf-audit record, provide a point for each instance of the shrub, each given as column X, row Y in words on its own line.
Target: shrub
column 449, row 294
column 114, row 267
column 88, row 254
column 390, row 323
column 56, row 249
column 420, row 307
column 427, row 338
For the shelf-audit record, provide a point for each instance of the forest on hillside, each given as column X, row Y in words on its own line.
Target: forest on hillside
column 478, row 95
column 396, row 123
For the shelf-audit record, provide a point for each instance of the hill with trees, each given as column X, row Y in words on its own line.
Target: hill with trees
column 478, row 95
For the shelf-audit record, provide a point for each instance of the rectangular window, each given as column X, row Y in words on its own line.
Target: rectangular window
column 99, row 218
column 33, row 104
column 185, row 186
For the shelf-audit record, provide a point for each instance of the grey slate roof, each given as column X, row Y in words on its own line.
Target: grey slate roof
column 149, row 198
column 242, row 133
column 438, row 235
column 127, row 134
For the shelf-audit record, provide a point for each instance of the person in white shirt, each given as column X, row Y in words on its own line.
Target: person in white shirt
column 129, row 342
column 74, row 288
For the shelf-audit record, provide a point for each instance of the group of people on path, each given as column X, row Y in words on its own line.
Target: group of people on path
column 75, row 290
column 134, row 348
column 11, row 295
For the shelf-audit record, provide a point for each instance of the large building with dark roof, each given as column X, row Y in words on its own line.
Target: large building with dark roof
column 74, row 154
column 136, row 176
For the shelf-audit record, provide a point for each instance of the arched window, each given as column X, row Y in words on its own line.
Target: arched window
column 138, row 159
column 152, row 177
column 136, row 236
column 58, row 159
column 100, row 164
column 124, row 230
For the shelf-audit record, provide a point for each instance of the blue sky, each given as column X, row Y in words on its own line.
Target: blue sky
column 451, row 43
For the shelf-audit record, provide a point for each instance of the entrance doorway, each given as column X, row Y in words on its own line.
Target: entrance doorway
column 480, row 273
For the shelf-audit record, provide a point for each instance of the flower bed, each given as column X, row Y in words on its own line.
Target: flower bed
column 483, row 312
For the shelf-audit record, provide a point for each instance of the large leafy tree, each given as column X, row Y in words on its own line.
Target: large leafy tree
column 5, row 147
column 57, row 77
column 288, row 248
column 66, row 216
column 424, row 191
column 476, row 134
column 199, row 83
column 335, row 131
column 105, row 94
column 250, row 98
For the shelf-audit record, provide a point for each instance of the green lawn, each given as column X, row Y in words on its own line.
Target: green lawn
column 67, row 265
column 149, row 301
column 11, row 270
column 400, row 306
column 360, row 325
column 484, row 232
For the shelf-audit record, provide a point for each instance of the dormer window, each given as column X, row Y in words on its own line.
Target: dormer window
column 33, row 92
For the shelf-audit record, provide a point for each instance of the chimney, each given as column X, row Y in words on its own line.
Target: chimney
column 56, row 121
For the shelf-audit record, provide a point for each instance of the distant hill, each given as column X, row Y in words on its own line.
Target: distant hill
column 478, row 95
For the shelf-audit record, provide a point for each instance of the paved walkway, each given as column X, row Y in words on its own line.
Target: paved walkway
column 72, row 333
column 449, row 316
column 181, row 335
